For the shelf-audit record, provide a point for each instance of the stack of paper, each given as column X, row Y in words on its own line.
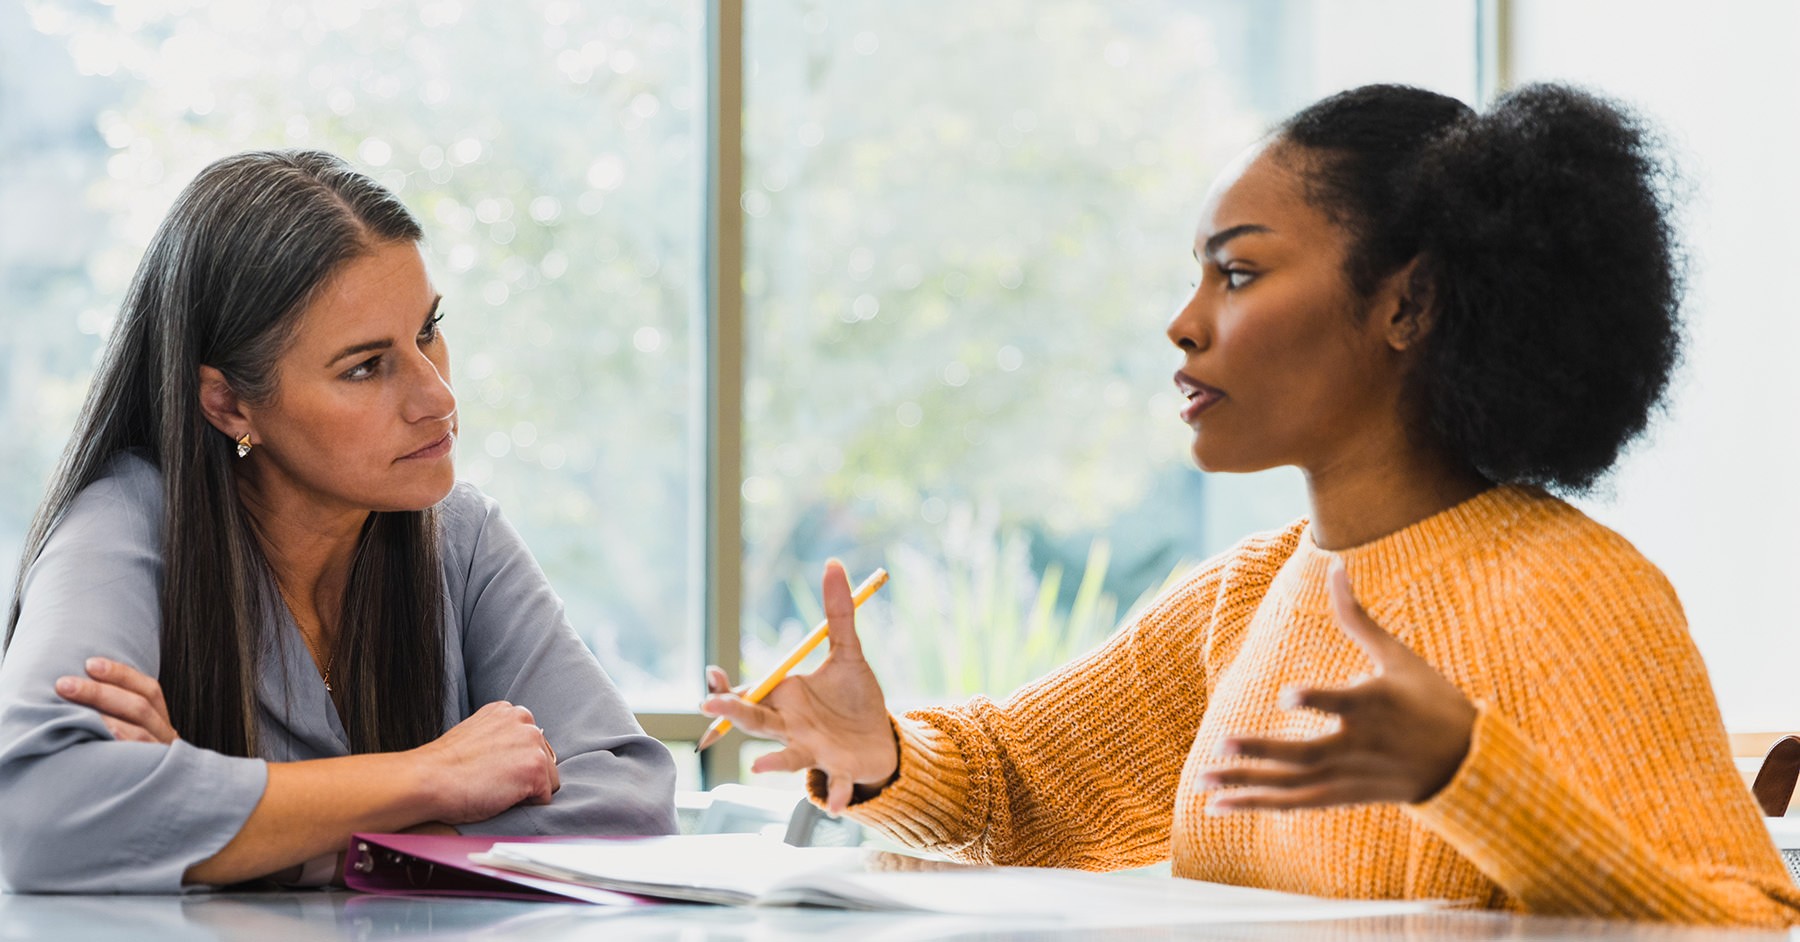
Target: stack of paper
column 744, row 869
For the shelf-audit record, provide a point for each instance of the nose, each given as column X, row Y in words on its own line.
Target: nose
column 1191, row 328
column 428, row 393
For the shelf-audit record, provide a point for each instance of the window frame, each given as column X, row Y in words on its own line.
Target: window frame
column 715, row 560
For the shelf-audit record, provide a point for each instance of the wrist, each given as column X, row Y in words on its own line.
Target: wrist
column 893, row 742
column 869, row 788
column 421, row 775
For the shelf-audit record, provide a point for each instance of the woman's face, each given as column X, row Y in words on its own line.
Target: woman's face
column 1283, row 363
column 363, row 417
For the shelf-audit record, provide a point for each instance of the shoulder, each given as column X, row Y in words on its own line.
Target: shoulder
column 1582, row 588
column 1252, row 564
column 123, row 505
column 466, row 511
column 476, row 541
column 466, row 518
column 1232, row 579
column 1562, row 553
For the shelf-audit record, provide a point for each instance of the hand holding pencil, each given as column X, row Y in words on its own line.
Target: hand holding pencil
column 834, row 719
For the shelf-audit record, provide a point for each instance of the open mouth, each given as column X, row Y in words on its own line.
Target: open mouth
column 1200, row 397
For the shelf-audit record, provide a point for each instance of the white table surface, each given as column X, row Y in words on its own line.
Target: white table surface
column 339, row 915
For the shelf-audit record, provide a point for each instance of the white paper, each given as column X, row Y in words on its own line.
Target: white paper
column 733, row 868
column 751, row 868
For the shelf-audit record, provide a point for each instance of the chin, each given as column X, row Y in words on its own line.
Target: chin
column 424, row 494
column 1217, row 460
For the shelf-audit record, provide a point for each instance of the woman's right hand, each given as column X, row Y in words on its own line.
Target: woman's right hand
column 834, row 719
column 495, row 759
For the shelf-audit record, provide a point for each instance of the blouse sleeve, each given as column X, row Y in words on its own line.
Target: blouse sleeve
column 83, row 813
column 518, row 646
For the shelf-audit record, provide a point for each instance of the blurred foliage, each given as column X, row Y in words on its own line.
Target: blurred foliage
column 964, row 234
column 971, row 613
column 551, row 150
column 978, row 617
column 965, row 226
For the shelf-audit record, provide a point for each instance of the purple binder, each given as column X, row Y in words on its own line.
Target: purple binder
column 439, row 865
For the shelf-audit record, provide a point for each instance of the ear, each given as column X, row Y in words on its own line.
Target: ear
column 222, row 407
column 1409, row 305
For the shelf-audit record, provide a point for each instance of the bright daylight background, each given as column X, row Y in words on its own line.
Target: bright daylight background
column 965, row 227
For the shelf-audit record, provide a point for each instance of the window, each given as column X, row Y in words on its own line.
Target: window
column 550, row 149
column 964, row 226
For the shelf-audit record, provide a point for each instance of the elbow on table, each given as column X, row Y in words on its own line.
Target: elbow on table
column 646, row 807
column 50, row 842
column 644, row 814
column 38, row 855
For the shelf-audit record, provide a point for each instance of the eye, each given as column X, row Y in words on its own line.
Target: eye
column 429, row 332
column 1236, row 278
column 364, row 370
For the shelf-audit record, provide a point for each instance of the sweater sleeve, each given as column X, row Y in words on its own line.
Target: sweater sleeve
column 82, row 812
column 1602, row 785
column 518, row 646
column 1078, row 769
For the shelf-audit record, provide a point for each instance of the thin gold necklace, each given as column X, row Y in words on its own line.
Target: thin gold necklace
column 325, row 669
column 323, row 663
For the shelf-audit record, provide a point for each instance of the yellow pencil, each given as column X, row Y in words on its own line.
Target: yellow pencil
column 721, row 726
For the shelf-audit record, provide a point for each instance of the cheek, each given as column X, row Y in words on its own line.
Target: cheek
column 332, row 435
column 1292, row 369
column 1281, row 346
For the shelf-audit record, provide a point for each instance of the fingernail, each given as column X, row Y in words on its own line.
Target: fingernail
column 1216, row 808
column 66, row 685
column 96, row 664
column 1226, row 747
column 1289, row 699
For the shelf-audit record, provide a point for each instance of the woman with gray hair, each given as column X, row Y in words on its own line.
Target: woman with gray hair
column 255, row 612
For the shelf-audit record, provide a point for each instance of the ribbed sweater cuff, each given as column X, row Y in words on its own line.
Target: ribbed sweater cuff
column 926, row 805
column 1509, row 813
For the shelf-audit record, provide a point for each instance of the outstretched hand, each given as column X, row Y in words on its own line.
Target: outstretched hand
column 834, row 719
column 1403, row 732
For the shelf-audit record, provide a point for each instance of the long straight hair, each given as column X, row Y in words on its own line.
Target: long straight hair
column 246, row 247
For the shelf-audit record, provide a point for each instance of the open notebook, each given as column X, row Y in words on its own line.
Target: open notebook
column 748, row 869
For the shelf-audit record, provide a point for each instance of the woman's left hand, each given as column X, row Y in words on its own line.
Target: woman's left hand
column 1402, row 733
column 129, row 701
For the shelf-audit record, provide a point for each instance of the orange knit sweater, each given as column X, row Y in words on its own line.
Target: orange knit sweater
column 1598, row 781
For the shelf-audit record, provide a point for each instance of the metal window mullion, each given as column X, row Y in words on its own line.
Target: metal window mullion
column 720, row 369
column 1493, row 50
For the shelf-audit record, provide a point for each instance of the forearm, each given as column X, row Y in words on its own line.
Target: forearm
column 311, row 808
column 964, row 791
column 627, row 788
column 1557, row 851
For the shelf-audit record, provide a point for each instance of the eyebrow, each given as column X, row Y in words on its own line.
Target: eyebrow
column 1217, row 240
column 368, row 346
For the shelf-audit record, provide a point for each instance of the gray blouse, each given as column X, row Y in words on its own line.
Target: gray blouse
column 81, row 812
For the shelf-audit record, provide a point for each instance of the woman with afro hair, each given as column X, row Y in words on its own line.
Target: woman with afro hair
column 1445, row 682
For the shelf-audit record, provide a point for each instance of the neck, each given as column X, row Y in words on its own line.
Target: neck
column 1382, row 488
column 308, row 545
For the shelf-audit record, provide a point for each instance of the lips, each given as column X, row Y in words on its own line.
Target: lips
column 436, row 448
column 1200, row 397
